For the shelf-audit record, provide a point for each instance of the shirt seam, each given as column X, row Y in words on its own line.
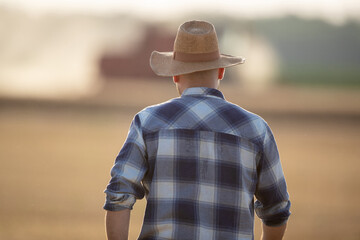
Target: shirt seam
column 260, row 150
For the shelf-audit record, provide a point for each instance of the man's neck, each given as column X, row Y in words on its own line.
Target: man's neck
column 188, row 84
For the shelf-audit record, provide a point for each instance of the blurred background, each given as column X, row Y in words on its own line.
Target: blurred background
column 73, row 74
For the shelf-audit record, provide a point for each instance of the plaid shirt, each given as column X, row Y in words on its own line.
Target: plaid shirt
column 199, row 160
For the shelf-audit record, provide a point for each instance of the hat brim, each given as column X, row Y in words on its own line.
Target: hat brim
column 163, row 64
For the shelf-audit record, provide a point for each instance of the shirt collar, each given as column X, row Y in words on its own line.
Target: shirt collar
column 203, row 91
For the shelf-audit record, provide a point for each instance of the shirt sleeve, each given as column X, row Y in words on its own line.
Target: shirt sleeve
column 272, row 204
column 128, row 171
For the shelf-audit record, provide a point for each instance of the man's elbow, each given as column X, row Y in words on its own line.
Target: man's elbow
column 275, row 214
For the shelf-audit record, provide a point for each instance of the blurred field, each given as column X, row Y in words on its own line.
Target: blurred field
column 55, row 162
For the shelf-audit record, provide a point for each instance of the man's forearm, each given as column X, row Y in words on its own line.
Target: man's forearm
column 117, row 224
column 273, row 233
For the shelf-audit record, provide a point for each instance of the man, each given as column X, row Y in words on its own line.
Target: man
column 198, row 159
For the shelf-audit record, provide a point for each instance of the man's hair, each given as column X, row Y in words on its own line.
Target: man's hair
column 202, row 74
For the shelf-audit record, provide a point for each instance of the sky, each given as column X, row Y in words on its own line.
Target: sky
column 31, row 76
column 334, row 11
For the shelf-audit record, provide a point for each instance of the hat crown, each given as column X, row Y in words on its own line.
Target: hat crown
column 196, row 37
column 196, row 49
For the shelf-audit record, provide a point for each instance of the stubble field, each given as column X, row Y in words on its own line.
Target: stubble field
column 55, row 163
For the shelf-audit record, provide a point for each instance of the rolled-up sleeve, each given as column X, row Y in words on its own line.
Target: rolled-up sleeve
column 272, row 204
column 128, row 171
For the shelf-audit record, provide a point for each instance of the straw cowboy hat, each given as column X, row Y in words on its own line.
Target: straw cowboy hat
column 196, row 49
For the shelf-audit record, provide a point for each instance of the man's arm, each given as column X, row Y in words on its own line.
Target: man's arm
column 117, row 224
column 273, row 233
column 125, row 185
column 272, row 203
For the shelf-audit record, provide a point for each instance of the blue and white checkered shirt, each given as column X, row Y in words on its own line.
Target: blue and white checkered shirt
column 199, row 160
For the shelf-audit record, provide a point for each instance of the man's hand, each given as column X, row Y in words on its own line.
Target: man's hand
column 273, row 233
column 117, row 224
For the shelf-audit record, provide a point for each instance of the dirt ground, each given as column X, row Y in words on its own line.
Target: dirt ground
column 55, row 163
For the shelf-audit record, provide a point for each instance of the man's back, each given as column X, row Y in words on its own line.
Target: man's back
column 202, row 157
column 198, row 159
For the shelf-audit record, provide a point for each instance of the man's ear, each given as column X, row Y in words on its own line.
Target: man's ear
column 221, row 73
column 176, row 79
